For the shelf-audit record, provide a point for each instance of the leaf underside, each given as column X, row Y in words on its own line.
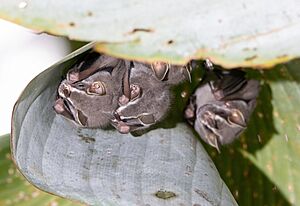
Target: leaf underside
column 103, row 167
column 15, row 190
column 231, row 33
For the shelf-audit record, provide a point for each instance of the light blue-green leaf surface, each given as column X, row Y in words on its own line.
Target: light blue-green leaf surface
column 166, row 166
column 230, row 32
column 15, row 190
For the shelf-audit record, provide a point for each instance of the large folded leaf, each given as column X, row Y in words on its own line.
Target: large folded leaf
column 166, row 166
column 230, row 32
column 15, row 190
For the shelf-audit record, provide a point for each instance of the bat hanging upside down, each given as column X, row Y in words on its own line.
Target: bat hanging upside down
column 221, row 106
column 101, row 90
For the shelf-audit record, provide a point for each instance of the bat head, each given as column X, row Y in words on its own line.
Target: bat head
column 90, row 101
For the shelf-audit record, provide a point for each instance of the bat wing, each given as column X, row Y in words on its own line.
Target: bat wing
column 233, row 85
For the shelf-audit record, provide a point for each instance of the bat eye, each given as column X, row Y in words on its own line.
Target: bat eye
column 97, row 88
column 66, row 92
column 79, row 85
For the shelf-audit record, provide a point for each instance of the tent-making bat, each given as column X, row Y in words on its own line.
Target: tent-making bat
column 221, row 106
column 101, row 90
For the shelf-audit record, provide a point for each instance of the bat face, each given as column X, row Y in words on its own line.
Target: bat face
column 90, row 101
column 154, row 97
column 221, row 107
column 151, row 105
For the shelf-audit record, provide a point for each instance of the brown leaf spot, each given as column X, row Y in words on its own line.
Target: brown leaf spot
column 141, row 30
column 163, row 194
column 282, row 56
column 89, row 13
column 205, row 196
column 170, row 42
column 87, row 139
column 72, row 24
column 251, row 58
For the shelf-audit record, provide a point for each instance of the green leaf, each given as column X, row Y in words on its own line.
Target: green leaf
column 231, row 33
column 279, row 130
column 15, row 190
column 103, row 167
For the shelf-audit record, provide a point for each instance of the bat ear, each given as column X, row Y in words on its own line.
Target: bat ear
column 186, row 70
column 97, row 88
column 147, row 119
column 213, row 141
column 82, row 119
column 160, row 70
column 236, row 117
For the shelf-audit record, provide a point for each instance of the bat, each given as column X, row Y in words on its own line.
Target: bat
column 154, row 97
column 90, row 91
column 101, row 90
column 222, row 105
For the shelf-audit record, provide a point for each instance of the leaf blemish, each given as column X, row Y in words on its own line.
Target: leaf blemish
column 204, row 195
column 87, row 139
column 282, row 56
column 141, row 30
column 89, row 13
column 170, row 42
column 163, row 194
column 72, row 24
column 251, row 58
